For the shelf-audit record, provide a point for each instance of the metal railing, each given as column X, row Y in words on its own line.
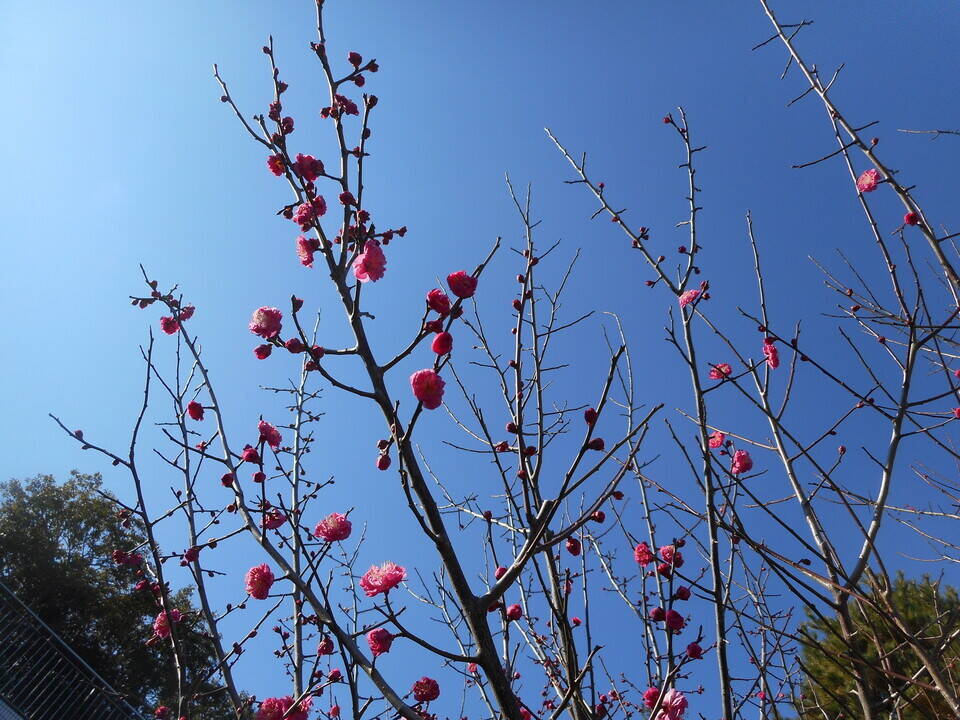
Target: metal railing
column 42, row 678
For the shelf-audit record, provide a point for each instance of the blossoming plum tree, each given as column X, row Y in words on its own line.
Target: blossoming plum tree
column 709, row 579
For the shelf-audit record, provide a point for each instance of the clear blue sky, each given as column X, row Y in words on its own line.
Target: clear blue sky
column 117, row 152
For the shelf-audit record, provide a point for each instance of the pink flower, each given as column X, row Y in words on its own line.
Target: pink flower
column 262, row 352
column 195, row 410
column 682, row 593
column 426, row 689
column 650, row 696
column 911, row 218
column 596, row 444
column 282, row 708
column 333, row 528
column 461, row 284
column 772, row 354
column 868, row 181
column 275, row 163
column 273, row 519
column 307, row 213
column 720, row 371
column 438, row 301
column 265, row 322
column 694, row 651
column 573, row 546
column 191, row 554
column 325, row 646
column 371, row 264
column 688, row 297
column 259, row 579
column 306, row 247
column 716, row 439
column 354, row 59
column 442, row 343
column 657, row 614
column 670, row 554
column 308, row 167
column 576, row 621
column 250, row 455
column 186, row 313
column 427, row 388
column 742, row 462
column 169, row 325
column 643, row 555
column 269, row 434
column 590, row 416
column 499, row 572
column 379, row 640
column 673, row 706
column 162, row 712
column 514, row 612
column 161, row 625
column 382, row 579
column 345, row 105
column 674, row 620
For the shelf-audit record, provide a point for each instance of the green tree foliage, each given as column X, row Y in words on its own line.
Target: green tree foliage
column 929, row 610
column 55, row 554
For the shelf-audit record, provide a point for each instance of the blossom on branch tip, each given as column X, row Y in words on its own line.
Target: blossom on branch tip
column 161, row 624
column 371, row 264
column 514, row 612
column 250, row 455
column 273, row 519
column 427, row 387
column 169, row 325
column 333, row 528
column 382, row 578
column 461, row 284
column 673, row 620
column 670, row 554
column 720, row 371
column 283, row 708
column 772, row 354
column 673, row 706
column 195, row 410
column 868, row 181
column 426, row 690
column 716, row 439
column 688, row 297
column 643, row 555
column 379, row 640
column 308, row 212
column 442, row 343
column 438, row 301
column 266, row 322
column 650, row 696
column 275, row 163
column 269, row 434
column 308, row 167
column 306, row 247
column 742, row 462
column 694, row 651
column 258, row 580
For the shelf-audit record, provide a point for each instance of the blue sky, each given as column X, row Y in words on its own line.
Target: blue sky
column 117, row 152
